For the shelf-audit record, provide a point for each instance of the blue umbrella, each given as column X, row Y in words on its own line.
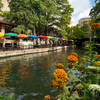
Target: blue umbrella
column 33, row 36
column 59, row 38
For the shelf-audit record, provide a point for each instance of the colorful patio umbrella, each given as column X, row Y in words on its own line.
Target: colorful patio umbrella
column 49, row 37
column 1, row 35
column 10, row 34
column 22, row 36
column 32, row 36
column 56, row 39
column 43, row 37
column 53, row 38
column 59, row 38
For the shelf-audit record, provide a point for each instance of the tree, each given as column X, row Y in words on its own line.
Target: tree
column 41, row 15
column 75, row 32
column 86, row 27
column 64, row 16
column 95, row 12
column 1, row 5
column 32, row 13
column 22, row 13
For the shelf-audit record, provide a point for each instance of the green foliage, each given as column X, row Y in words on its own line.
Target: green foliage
column 21, row 29
column 86, row 27
column 75, row 32
column 41, row 14
column 1, row 5
column 5, row 15
column 65, row 95
column 83, row 82
column 95, row 12
column 89, row 46
column 7, row 97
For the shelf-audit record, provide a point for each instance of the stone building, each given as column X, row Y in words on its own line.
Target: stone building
column 81, row 21
column 4, row 25
column 5, row 5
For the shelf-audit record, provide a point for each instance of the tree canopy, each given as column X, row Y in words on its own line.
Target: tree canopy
column 75, row 32
column 95, row 11
column 41, row 15
column 95, row 14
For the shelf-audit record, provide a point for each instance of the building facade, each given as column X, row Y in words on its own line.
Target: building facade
column 5, row 5
column 4, row 24
column 81, row 21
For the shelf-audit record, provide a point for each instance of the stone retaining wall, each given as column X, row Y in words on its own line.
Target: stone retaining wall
column 28, row 51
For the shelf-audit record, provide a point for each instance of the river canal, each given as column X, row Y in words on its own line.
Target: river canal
column 29, row 76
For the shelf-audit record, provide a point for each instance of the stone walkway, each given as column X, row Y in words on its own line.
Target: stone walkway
column 28, row 51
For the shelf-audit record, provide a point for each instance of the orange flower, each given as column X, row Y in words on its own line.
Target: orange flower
column 96, row 25
column 60, row 74
column 47, row 97
column 74, row 54
column 57, row 84
column 82, row 58
column 72, row 58
column 59, row 65
column 97, row 55
column 98, row 62
column 60, row 78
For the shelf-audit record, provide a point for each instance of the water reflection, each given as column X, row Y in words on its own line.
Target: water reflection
column 29, row 75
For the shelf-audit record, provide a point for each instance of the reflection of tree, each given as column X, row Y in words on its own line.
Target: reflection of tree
column 23, row 72
column 45, row 63
column 18, row 79
column 4, row 72
column 32, row 77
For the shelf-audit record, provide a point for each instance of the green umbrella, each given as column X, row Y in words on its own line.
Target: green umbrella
column 11, row 34
column 53, row 38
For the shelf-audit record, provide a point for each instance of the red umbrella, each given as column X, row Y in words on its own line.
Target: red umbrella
column 43, row 37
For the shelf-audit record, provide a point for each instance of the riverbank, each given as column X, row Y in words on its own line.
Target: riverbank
column 28, row 51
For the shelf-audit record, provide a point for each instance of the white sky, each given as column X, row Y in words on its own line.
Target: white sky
column 81, row 10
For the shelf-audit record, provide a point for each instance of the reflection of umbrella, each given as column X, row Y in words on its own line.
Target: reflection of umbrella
column 1, row 35
column 22, row 36
column 33, row 36
column 11, row 34
column 43, row 37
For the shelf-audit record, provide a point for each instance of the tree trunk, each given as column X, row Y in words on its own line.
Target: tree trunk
column 34, row 30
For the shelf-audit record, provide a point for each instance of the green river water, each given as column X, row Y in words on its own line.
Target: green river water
column 29, row 76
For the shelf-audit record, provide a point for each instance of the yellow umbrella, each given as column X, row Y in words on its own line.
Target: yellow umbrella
column 1, row 35
column 49, row 37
